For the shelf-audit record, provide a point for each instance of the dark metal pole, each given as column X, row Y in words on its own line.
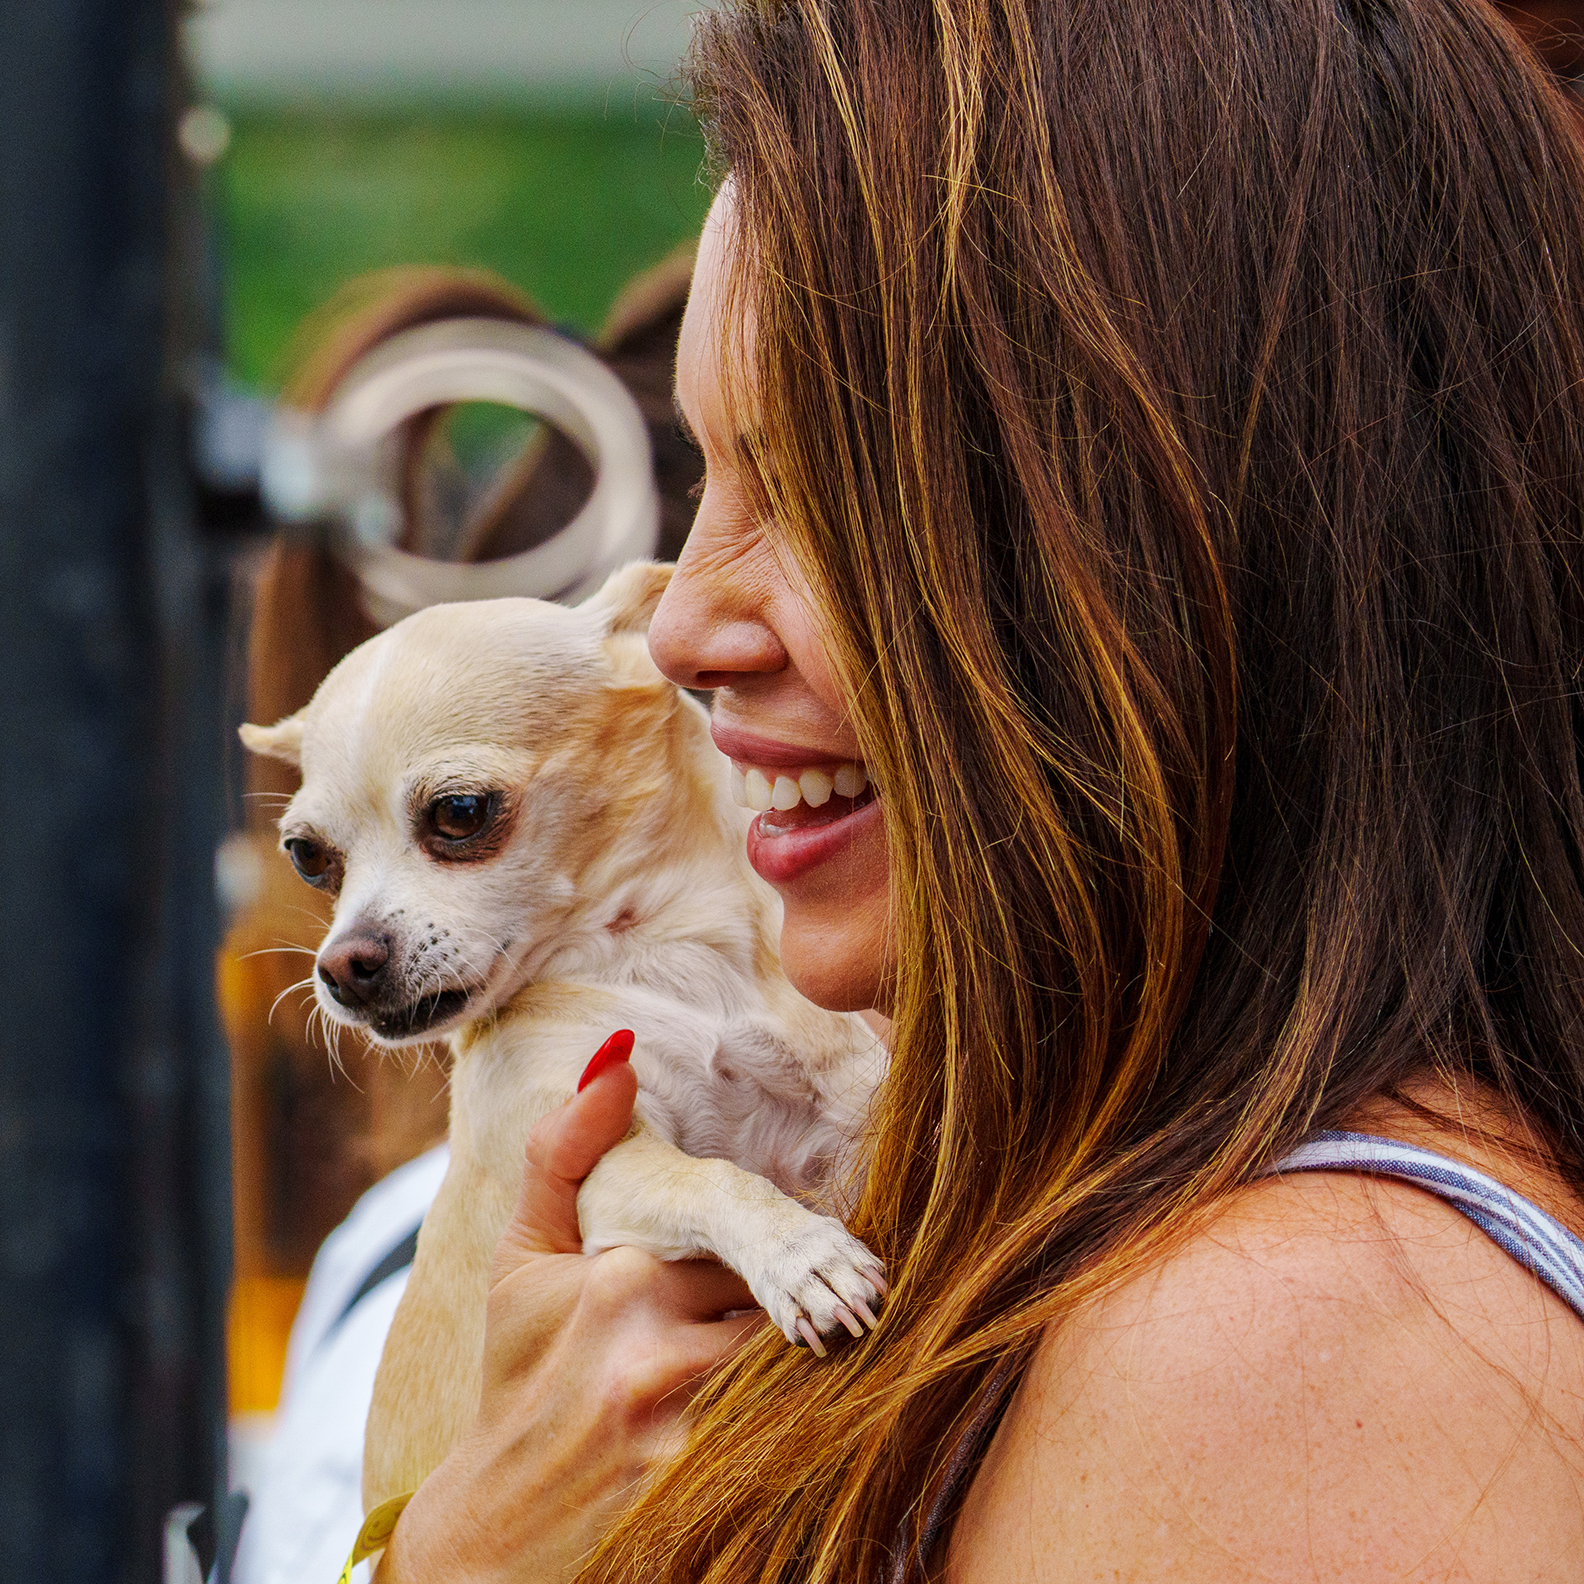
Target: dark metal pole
column 114, row 1162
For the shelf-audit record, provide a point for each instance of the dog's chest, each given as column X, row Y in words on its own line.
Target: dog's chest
column 764, row 1115
column 734, row 1089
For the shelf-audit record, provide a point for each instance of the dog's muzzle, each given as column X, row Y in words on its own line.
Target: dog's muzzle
column 356, row 972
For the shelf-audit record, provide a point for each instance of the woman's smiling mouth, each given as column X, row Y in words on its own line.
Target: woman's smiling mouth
column 810, row 806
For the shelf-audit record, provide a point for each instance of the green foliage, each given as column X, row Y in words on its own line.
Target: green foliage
column 567, row 204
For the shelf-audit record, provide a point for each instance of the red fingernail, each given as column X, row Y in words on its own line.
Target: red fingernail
column 616, row 1049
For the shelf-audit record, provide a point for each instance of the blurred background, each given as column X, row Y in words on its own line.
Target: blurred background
column 229, row 227
column 221, row 221
column 538, row 138
column 365, row 166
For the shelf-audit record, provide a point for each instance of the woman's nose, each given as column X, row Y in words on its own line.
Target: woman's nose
column 710, row 629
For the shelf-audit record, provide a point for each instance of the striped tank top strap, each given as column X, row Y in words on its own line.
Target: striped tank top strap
column 1539, row 1242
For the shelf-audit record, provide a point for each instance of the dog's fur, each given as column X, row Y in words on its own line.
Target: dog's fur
column 610, row 890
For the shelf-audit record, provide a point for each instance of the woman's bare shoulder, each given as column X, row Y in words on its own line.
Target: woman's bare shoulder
column 1340, row 1378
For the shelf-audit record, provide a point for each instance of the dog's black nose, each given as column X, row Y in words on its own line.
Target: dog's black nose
column 354, row 968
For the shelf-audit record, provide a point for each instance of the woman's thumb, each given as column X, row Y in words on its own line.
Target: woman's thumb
column 564, row 1148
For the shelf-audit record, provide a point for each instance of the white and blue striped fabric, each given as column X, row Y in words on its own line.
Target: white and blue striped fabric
column 1539, row 1242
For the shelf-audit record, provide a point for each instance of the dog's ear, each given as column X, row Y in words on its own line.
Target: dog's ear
column 629, row 597
column 282, row 741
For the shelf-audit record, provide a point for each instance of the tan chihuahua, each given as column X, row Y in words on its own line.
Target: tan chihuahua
column 532, row 842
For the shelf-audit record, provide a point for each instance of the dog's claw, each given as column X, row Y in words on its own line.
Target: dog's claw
column 811, row 1336
column 815, row 1282
column 865, row 1313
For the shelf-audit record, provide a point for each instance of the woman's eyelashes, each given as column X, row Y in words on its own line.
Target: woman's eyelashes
column 684, row 433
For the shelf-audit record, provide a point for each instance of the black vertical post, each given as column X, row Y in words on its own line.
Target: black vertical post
column 114, row 1186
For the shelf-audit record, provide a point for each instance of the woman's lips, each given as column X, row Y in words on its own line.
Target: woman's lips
column 746, row 747
column 811, row 804
column 783, row 846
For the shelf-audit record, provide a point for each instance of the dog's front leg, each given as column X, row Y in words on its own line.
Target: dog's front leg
column 807, row 1270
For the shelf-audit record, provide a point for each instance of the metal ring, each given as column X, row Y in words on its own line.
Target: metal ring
column 342, row 464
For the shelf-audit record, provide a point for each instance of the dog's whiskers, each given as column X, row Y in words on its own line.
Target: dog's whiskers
column 332, row 1042
column 433, row 1054
column 501, row 948
column 302, row 984
column 335, row 1031
column 273, row 951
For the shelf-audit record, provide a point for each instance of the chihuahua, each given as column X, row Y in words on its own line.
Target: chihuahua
column 531, row 841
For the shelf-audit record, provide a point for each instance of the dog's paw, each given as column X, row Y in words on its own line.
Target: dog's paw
column 818, row 1279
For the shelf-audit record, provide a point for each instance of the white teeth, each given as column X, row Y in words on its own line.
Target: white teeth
column 757, row 789
column 849, row 780
column 815, row 786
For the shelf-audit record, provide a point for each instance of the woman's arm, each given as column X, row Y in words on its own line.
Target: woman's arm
column 589, row 1366
column 1343, row 1380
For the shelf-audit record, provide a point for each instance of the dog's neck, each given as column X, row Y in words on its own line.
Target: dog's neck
column 673, row 906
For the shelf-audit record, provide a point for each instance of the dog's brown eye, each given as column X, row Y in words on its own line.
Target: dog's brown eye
column 459, row 816
column 310, row 859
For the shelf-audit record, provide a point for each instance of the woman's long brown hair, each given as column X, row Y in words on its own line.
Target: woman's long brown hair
column 1179, row 409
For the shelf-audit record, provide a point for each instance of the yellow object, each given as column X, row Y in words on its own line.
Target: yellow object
column 374, row 1534
column 258, row 1325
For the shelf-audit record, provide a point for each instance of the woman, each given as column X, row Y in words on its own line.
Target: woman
column 1150, row 438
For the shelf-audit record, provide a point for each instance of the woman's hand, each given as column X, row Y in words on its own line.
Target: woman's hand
column 589, row 1366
